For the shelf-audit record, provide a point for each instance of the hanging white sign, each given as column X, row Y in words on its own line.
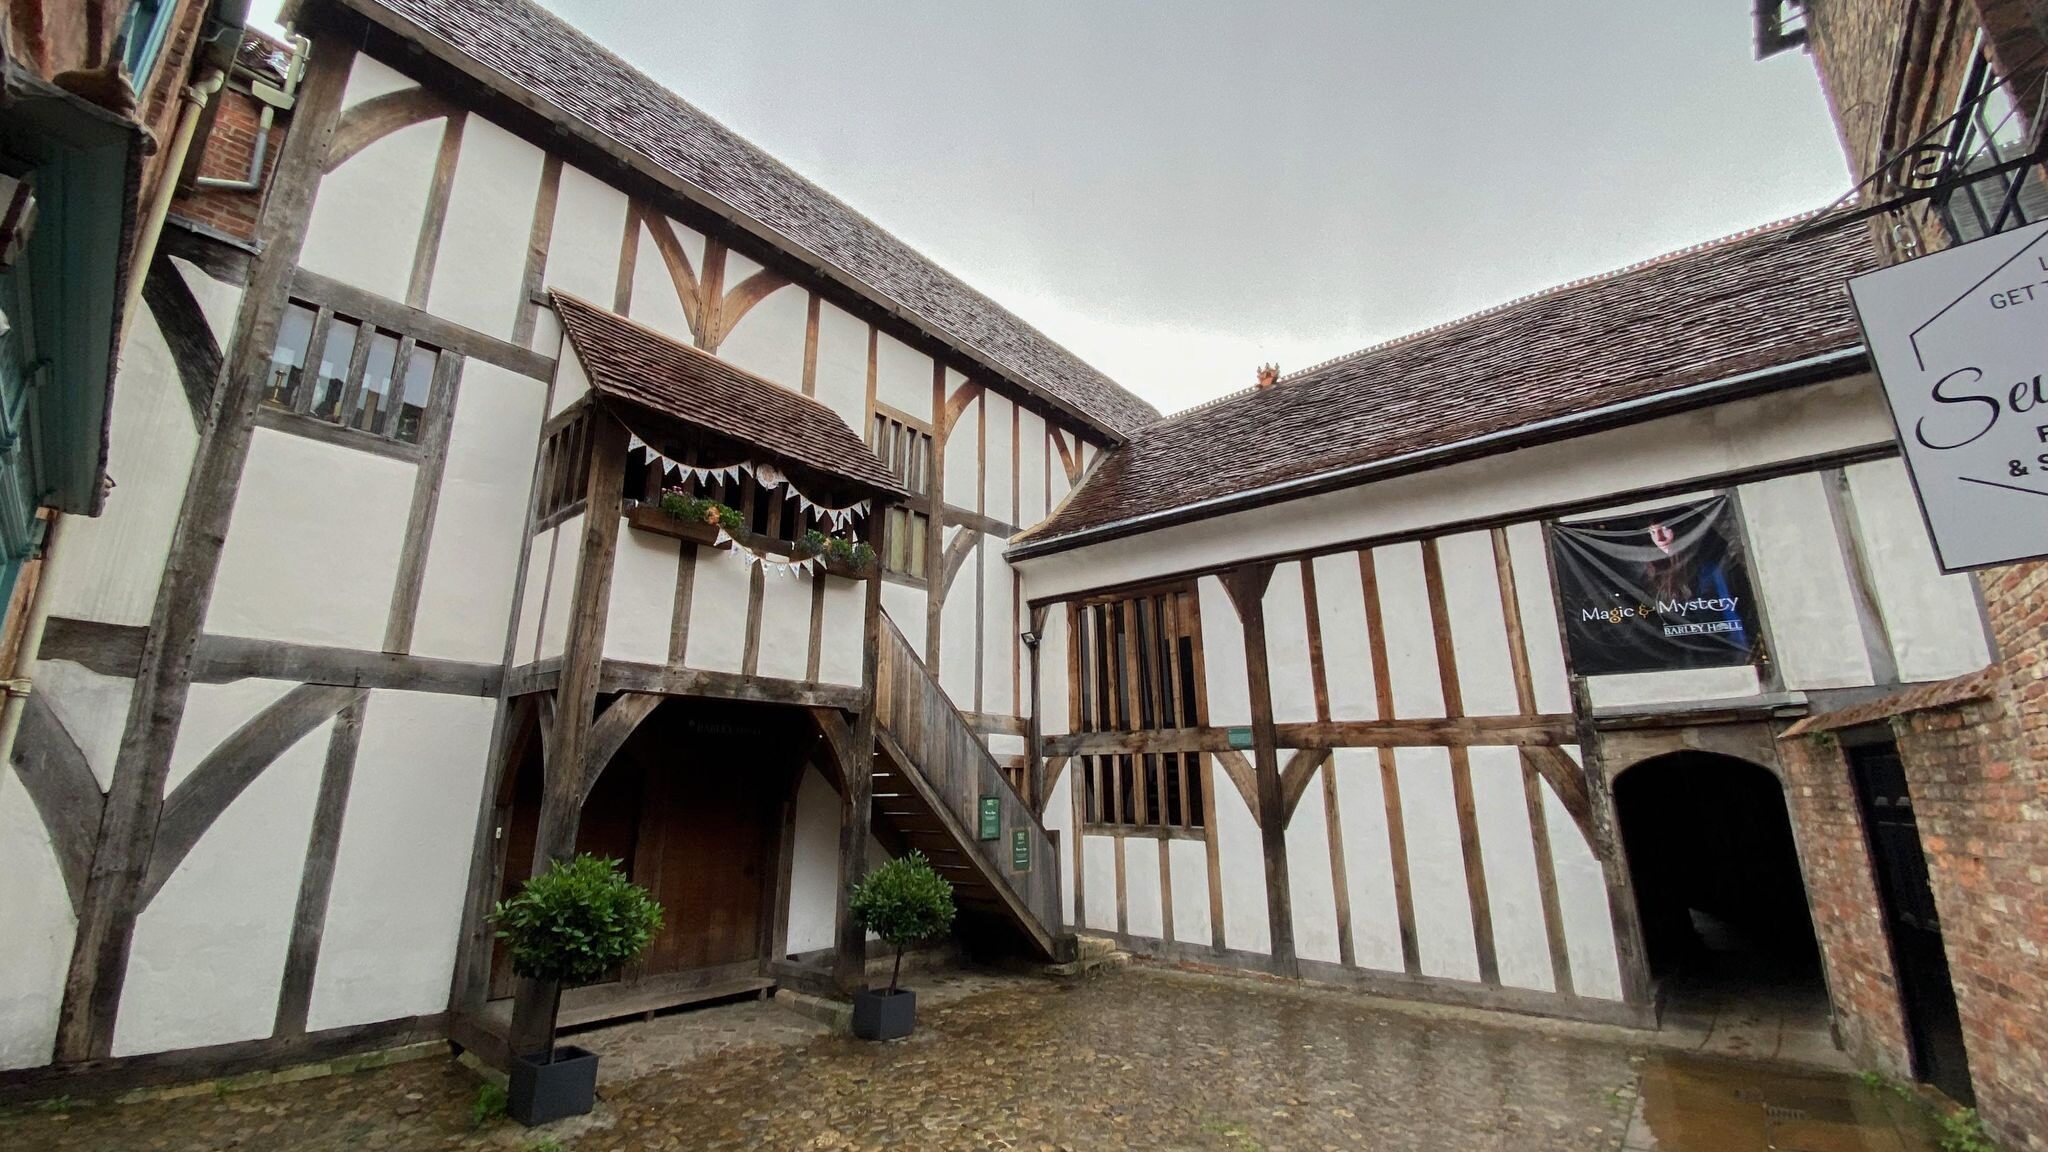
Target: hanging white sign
column 1961, row 343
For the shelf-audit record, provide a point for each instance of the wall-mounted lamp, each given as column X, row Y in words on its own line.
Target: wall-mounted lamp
column 1030, row 640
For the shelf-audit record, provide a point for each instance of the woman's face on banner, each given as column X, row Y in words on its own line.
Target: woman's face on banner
column 1662, row 536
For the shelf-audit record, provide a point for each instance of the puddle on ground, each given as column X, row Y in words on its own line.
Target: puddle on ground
column 1693, row 1104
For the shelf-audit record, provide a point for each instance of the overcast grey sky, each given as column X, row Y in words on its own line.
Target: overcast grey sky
column 1179, row 190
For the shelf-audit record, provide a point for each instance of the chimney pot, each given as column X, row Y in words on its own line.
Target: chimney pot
column 1269, row 375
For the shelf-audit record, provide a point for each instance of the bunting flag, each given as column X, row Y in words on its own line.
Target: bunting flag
column 764, row 561
column 767, row 475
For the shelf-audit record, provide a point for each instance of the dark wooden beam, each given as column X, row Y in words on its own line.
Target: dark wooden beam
column 380, row 116
column 614, row 726
column 60, row 783
column 316, row 882
column 849, row 962
column 1247, row 587
column 444, row 334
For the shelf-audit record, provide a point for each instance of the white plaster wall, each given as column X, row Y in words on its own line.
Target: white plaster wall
column 842, row 644
column 814, row 865
column 841, row 378
column 466, row 595
column 718, row 612
column 1030, row 467
column 999, row 629
column 35, row 950
column 769, row 339
column 963, row 450
column 312, row 548
column 93, row 708
column 571, row 382
column 1053, row 716
column 1310, row 883
column 1287, row 664
column 1241, row 868
column 1056, row 469
column 905, row 606
column 368, row 79
column 526, row 642
column 1098, row 864
column 655, row 301
column 1932, row 619
column 1675, row 686
column 1059, row 819
column 640, row 612
column 785, row 651
column 1229, row 692
column 1582, row 901
column 959, row 647
column 583, row 248
column 997, row 493
column 1804, row 580
column 1529, row 553
column 1189, row 862
column 561, row 601
column 1479, row 633
column 1347, row 641
column 209, row 951
column 418, row 779
column 1144, row 901
column 903, row 377
column 1436, row 864
column 366, row 216
column 213, row 712
column 1521, row 940
column 480, row 273
column 1416, row 684
column 106, row 567
column 1368, row 861
column 1796, row 424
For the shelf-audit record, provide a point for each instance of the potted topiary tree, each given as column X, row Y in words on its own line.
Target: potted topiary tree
column 568, row 926
column 903, row 902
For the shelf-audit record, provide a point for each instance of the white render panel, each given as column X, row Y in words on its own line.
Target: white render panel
column 718, row 611
column 1673, row 687
column 841, row 380
column 1310, row 883
column 656, row 302
column 1797, row 424
column 92, row 706
column 418, row 778
column 571, row 382
column 999, row 628
column 769, row 340
column 1053, row 716
column 1521, row 940
column 1479, row 632
column 1931, row 618
column 1230, row 699
column 1144, row 907
column 312, row 548
column 1417, row 685
column 738, row 269
column 1098, row 863
column 1368, row 860
column 35, row 950
column 1804, row 580
column 220, row 301
column 1031, row 469
column 963, row 449
column 843, row 643
column 212, row 714
column 641, row 610
column 1537, row 599
column 369, row 78
column 1061, row 485
column 1292, row 680
column 107, row 566
column 466, row 596
column 1059, row 819
column 996, row 493
column 480, row 273
column 583, row 248
column 959, row 647
column 526, row 642
column 1582, row 901
column 1189, row 862
column 366, row 216
column 905, row 606
column 814, row 866
column 561, row 600
column 785, row 651
column 903, row 377
column 1436, row 864
column 209, row 951
column 1347, row 641
column 1241, row 866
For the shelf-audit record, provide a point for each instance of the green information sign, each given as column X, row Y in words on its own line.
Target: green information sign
column 1240, row 738
column 991, row 818
column 1020, row 849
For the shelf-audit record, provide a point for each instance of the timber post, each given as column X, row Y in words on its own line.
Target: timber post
column 857, row 781
column 1247, row 587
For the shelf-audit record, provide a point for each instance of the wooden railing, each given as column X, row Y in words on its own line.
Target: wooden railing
column 956, row 772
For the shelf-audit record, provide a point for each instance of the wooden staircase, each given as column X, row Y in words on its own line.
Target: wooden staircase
column 931, row 776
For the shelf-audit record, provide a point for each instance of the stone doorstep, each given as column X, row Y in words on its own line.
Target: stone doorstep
column 1092, row 953
column 834, row 1014
column 292, row 1074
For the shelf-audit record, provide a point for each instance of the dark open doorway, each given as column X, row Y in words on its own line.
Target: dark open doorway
column 1718, row 887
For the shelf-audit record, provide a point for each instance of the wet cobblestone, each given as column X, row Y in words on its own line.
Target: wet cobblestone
column 1136, row 1060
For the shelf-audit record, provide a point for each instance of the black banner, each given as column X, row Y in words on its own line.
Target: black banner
column 1655, row 590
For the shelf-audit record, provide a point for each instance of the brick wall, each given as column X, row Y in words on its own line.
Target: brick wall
column 226, row 156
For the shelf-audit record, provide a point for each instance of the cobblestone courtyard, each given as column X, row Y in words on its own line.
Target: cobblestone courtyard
column 1138, row 1060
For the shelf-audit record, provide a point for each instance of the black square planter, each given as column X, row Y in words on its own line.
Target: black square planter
column 565, row 1086
column 884, row 1015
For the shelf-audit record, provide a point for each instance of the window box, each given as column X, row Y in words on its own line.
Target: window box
column 648, row 518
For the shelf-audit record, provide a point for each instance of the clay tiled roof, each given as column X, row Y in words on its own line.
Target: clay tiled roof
column 634, row 363
column 517, row 43
column 1706, row 314
column 1980, row 685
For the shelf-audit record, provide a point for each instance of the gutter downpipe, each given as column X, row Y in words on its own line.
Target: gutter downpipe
column 195, row 97
column 1738, row 385
column 261, row 152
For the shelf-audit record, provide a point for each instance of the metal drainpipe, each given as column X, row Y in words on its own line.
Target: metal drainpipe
column 195, row 98
column 254, row 180
column 23, row 672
